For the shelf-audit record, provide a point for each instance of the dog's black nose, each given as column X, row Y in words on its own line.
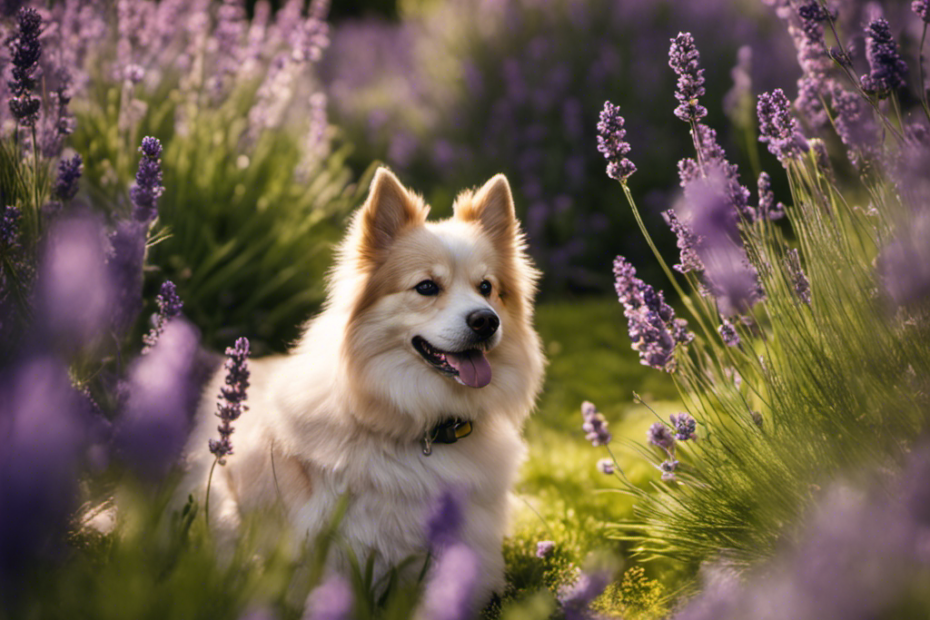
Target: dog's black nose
column 483, row 322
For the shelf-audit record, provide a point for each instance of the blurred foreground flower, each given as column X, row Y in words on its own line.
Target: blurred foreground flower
column 450, row 591
column 331, row 600
column 445, row 521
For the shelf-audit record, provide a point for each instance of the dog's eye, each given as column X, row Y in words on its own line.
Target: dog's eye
column 427, row 287
column 484, row 288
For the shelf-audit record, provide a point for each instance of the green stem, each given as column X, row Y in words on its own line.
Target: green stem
column 920, row 72
column 206, row 507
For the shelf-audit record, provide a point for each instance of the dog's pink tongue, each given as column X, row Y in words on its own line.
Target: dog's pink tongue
column 473, row 367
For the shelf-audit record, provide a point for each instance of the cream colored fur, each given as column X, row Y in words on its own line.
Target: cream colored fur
column 345, row 411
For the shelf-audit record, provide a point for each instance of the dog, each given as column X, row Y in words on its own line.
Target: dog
column 426, row 334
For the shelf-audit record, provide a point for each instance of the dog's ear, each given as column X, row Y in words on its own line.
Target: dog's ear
column 390, row 209
column 492, row 207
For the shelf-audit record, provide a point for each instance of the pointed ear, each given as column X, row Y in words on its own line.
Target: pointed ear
column 389, row 210
column 492, row 207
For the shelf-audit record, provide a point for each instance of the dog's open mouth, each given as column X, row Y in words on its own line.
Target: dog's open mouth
column 469, row 367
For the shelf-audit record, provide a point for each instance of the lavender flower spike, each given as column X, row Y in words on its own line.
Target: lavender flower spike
column 660, row 435
column 653, row 328
column 148, row 185
column 922, row 8
column 768, row 210
column 886, row 69
column 169, row 306
column 684, row 59
column 728, row 333
column 802, row 287
column 595, row 425
column 231, row 397
column 25, row 51
column 685, row 426
column 778, row 128
column 612, row 144
column 69, row 171
column 544, row 548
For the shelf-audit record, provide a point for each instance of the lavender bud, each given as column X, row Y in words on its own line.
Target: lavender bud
column 684, row 59
column 69, row 171
column 728, row 333
column 231, row 397
column 668, row 469
column 685, row 426
column 660, row 435
column 612, row 144
column 594, row 425
column 802, row 287
column 605, row 466
column 148, row 187
column 778, row 128
column 887, row 71
column 169, row 306
column 768, row 210
column 544, row 548
column 922, row 8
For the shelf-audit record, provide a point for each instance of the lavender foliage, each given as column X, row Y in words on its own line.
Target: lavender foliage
column 653, row 328
column 231, row 398
column 25, row 52
column 611, row 142
column 148, row 187
column 887, row 71
column 684, row 59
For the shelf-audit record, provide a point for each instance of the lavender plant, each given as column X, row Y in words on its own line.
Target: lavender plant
column 807, row 361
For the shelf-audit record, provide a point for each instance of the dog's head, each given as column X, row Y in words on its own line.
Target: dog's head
column 440, row 313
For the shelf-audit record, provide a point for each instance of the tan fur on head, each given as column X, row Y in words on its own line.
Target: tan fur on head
column 389, row 210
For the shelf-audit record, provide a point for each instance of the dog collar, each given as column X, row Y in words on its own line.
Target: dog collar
column 449, row 430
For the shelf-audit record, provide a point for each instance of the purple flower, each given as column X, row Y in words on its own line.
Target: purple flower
column 9, row 226
column 728, row 333
column 854, row 124
column 922, row 8
column 169, row 306
column 576, row 598
column 75, row 290
column 687, row 243
column 148, row 185
column 69, row 171
column 42, row 437
column 162, row 395
column 668, row 469
column 715, row 161
column 445, row 521
column 606, row 466
column 729, row 275
column 594, row 425
column 685, row 426
column 768, row 210
column 660, row 435
column 231, row 397
column 25, row 50
column 887, row 71
column 904, row 263
column 684, row 59
column 802, row 287
column 125, row 262
column 331, row 600
column 778, row 128
column 611, row 142
column 450, row 593
column 653, row 328
column 544, row 548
